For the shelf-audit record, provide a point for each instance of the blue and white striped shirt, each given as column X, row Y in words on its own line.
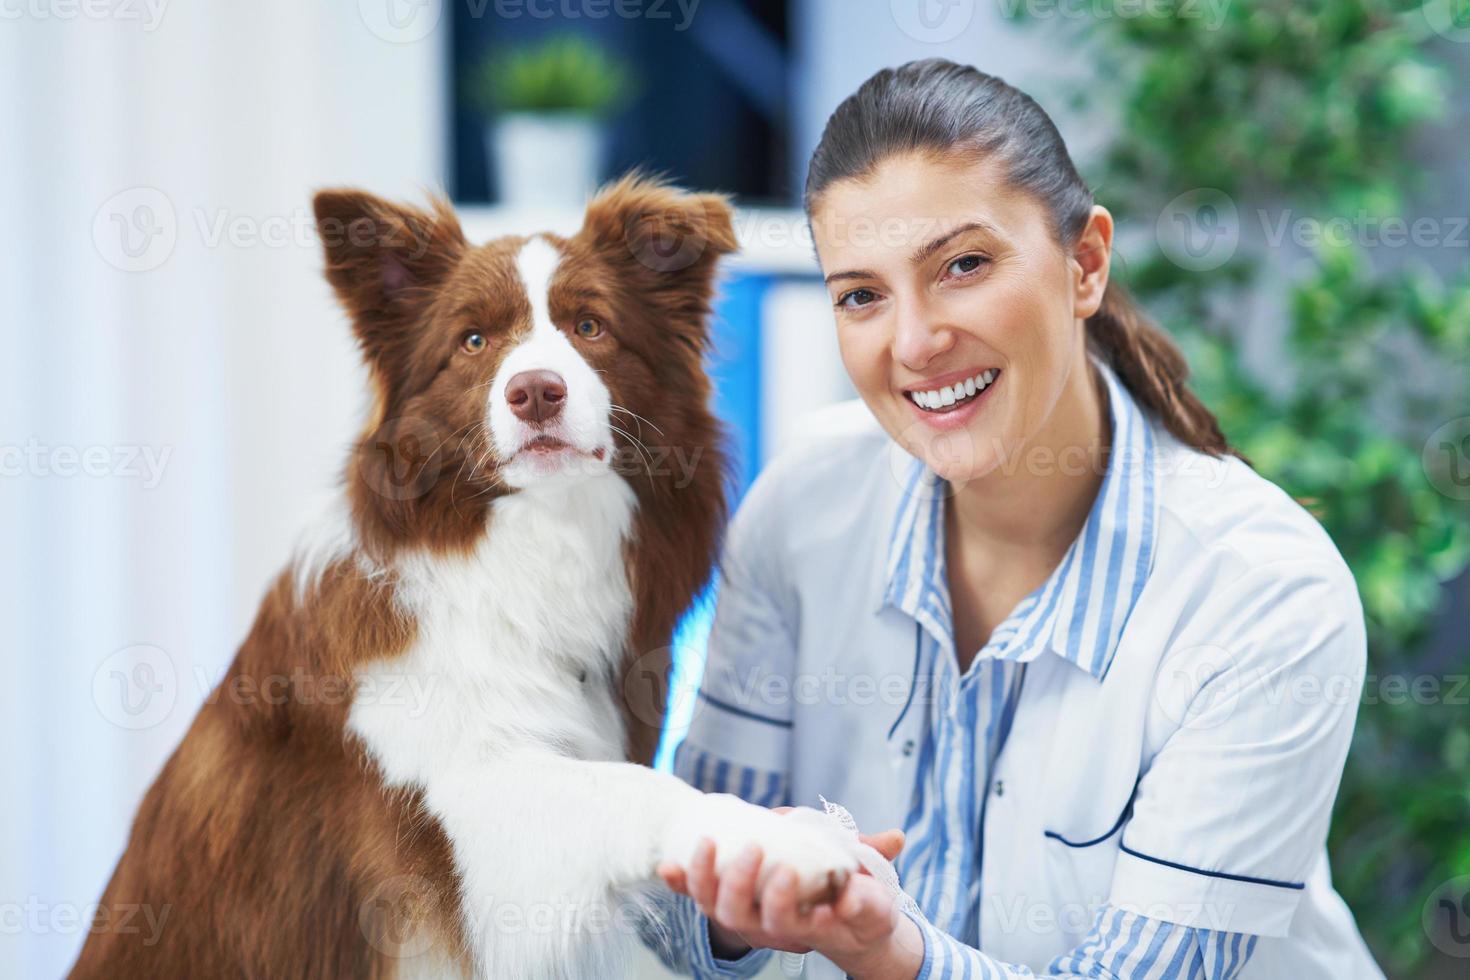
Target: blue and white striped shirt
column 1007, row 777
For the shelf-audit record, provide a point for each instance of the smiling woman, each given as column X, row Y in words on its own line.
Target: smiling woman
column 1034, row 525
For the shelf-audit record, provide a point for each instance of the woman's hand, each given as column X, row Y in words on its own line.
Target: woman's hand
column 860, row 921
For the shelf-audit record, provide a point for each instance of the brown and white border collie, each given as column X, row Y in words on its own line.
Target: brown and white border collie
column 420, row 748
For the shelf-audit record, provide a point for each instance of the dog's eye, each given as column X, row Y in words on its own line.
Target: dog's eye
column 589, row 328
column 473, row 342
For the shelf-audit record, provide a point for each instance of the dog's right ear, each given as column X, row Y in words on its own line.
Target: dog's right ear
column 384, row 259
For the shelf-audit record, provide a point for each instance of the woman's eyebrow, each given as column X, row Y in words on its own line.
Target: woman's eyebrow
column 930, row 247
column 850, row 274
column 920, row 254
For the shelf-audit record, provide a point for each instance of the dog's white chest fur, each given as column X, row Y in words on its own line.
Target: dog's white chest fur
column 505, row 637
column 520, row 760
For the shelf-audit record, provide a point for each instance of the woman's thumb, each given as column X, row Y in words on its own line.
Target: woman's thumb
column 886, row 842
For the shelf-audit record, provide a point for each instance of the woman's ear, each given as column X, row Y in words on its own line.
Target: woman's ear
column 384, row 260
column 1092, row 260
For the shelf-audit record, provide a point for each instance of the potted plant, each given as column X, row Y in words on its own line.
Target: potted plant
column 546, row 107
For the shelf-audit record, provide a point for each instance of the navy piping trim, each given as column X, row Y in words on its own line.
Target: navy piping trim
column 1213, row 874
column 914, row 683
column 1122, row 819
column 741, row 712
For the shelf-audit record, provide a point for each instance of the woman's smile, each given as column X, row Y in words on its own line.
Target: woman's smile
column 950, row 401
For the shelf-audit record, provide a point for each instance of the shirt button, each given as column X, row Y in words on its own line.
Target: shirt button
column 1000, row 787
column 908, row 747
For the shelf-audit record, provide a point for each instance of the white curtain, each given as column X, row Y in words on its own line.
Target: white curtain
column 175, row 382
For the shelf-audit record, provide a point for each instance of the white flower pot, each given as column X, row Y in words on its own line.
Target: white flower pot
column 545, row 159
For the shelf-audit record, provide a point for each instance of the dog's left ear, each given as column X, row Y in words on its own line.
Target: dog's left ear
column 383, row 260
column 666, row 241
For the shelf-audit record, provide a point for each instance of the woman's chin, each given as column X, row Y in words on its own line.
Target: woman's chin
column 960, row 471
column 958, row 454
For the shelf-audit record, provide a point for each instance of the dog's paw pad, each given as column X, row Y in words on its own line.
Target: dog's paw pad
column 821, row 853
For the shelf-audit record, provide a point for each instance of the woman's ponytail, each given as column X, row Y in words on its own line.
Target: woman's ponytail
column 1153, row 369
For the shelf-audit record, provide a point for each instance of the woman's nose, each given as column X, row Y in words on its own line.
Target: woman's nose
column 919, row 336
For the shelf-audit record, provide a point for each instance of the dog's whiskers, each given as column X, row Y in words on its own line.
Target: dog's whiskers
column 456, row 432
column 640, row 418
column 645, row 456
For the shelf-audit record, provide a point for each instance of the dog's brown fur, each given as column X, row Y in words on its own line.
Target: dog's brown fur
column 269, row 844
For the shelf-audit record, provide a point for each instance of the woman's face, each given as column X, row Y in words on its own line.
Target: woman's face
column 959, row 315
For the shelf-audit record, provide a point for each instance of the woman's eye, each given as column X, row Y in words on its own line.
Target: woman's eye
column 965, row 264
column 588, row 328
column 856, row 297
column 473, row 342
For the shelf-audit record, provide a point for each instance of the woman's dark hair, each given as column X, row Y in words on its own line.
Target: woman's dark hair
column 937, row 106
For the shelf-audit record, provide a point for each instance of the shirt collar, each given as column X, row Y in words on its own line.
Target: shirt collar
column 1079, row 611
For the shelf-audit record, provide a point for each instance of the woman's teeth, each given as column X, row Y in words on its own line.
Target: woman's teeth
column 943, row 398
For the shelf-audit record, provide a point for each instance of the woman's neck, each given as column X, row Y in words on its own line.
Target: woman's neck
column 1007, row 532
column 1037, row 500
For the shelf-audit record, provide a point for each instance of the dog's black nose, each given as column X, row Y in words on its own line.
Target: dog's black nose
column 536, row 396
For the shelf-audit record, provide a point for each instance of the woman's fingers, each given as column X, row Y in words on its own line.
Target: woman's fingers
column 703, row 882
column 822, row 921
column 886, row 842
column 735, row 903
column 674, row 877
column 850, row 903
column 867, row 910
column 777, row 919
column 778, row 902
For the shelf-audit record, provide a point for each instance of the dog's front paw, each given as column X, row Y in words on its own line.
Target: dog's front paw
column 821, row 853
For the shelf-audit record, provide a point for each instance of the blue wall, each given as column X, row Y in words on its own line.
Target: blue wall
column 735, row 369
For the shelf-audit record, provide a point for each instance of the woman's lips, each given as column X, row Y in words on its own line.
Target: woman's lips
column 957, row 413
column 946, row 391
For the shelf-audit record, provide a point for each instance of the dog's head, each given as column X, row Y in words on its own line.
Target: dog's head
column 524, row 363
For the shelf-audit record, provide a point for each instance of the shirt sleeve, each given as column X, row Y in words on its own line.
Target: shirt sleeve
column 1260, row 691
column 1121, row 945
column 739, row 737
column 678, row 934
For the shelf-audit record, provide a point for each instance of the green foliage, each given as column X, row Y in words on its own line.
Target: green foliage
column 563, row 74
column 1311, row 96
column 1310, row 105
